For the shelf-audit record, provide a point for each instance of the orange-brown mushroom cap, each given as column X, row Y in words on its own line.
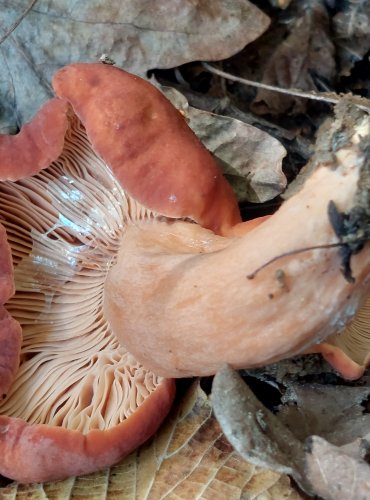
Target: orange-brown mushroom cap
column 148, row 145
column 38, row 453
column 58, row 216
column 37, row 144
column 348, row 351
column 21, row 155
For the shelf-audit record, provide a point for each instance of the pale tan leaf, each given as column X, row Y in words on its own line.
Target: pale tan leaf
column 136, row 34
column 335, row 474
column 250, row 158
column 59, row 490
column 189, row 458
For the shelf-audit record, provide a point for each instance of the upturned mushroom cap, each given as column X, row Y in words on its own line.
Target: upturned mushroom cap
column 201, row 309
column 79, row 401
column 148, row 145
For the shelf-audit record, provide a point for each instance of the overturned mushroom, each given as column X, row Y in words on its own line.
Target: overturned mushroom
column 79, row 401
column 105, row 237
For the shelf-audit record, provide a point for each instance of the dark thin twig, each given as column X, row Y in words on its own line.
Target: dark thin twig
column 293, row 252
column 331, row 99
column 17, row 22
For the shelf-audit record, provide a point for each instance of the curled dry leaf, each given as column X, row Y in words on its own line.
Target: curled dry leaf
column 303, row 58
column 253, row 430
column 134, row 33
column 250, row 158
column 188, row 458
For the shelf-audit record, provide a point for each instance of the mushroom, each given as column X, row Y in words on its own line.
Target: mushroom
column 73, row 180
column 349, row 351
column 201, row 309
column 122, row 228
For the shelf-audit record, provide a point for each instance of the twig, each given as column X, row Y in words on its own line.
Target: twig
column 17, row 22
column 329, row 97
column 252, row 275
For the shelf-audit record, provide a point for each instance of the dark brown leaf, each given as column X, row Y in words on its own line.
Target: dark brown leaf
column 334, row 412
column 351, row 33
column 302, row 61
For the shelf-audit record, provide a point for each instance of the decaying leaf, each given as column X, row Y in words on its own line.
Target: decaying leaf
column 336, row 474
column 321, row 468
column 351, row 33
column 334, row 412
column 250, row 158
column 302, row 61
column 135, row 34
column 189, row 458
column 253, row 430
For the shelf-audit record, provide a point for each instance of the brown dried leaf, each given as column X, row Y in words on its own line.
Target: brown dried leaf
column 321, row 468
column 250, row 158
column 351, row 32
column 334, row 412
column 253, row 430
column 136, row 34
column 335, row 474
column 189, row 458
column 307, row 55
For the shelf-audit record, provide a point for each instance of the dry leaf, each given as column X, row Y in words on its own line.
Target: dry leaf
column 250, row 158
column 136, row 34
column 333, row 412
column 305, row 57
column 351, row 33
column 189, row 458
column 335, row 474
column 253, row 430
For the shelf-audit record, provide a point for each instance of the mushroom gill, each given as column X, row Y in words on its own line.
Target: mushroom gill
column 349, row 350
column 64, row 227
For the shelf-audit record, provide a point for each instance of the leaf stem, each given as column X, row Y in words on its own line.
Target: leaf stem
column 18, row 21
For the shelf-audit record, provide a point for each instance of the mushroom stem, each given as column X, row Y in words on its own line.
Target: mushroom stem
column 201, row 311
